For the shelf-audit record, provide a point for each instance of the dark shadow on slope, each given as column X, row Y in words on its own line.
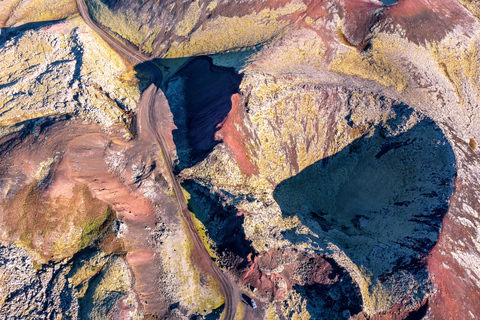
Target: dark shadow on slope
column 3, row 36
column 338, row 300
column 22, row 129
column 224, row 226
column 199, row 95
column 145, row 76
column 381, row 199
column 97, row 302
column 418, row 314
column 215, row 314
column 112, row 4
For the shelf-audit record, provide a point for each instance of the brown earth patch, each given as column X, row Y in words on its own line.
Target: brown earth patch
column 38, row 222
column 64, row 181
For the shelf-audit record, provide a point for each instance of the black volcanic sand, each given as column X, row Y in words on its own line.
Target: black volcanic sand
column 381, row 199
column 206, row 91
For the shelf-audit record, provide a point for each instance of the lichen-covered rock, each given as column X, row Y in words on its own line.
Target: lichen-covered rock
column 473, row 6
column 63, row 68
column 377, row 174
column 322, row 146
column 90, row 286
column 103, row 291
column 191, row 288
column 342, row 182
column 17, row 13
column 28, row 293
column 53, row 230
column 195, row 28
column 50, row 74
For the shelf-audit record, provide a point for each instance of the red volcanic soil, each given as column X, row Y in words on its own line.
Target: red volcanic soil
column 359, row 17
column 208, row 89
column 318, row 279
column 426, row 21
column 145, row 263
column 84, row 155
column 233, row 133
column 422, row 20
column 457, row 295
column 263, row 271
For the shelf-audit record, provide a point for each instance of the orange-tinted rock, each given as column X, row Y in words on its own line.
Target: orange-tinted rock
column 233, row 133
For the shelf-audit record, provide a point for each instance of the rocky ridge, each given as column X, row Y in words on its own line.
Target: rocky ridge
column 24, row 14
column 66, row 73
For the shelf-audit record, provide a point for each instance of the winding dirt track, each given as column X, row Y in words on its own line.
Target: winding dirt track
column 147, row 121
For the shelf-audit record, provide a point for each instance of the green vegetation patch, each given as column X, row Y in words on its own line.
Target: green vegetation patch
column 55, row 229
column 201, row 229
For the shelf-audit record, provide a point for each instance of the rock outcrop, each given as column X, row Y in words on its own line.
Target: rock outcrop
column 197, row 27
column 22, row 14
column 68, row 69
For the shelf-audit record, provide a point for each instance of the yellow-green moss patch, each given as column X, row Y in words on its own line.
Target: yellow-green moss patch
column 126, row 25
column 19, row 12
column 201, row 230
column 460, row 64
column 196, row 289
column 473, row 6
column 229, row 33
column 295, row 307
column 240, row 311
column 373, row 65
column 55, row 229
column 190, row 19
